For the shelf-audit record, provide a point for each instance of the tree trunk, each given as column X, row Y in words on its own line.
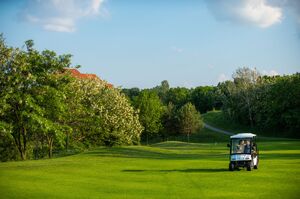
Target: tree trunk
column 21, row 136
column 250, row 117
column 24, row 142
column 50, row 152
column 147, row 139
column 188, row 135
column 67, row 142
column 23, row 155
column 50, row 146
column 249, row 111
column 21, row 149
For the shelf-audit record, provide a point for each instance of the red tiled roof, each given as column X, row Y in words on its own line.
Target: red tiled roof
column 109, row 85
column 75, row 73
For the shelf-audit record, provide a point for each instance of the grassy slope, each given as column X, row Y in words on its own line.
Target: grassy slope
column 216, row 119
column 204, row 136
column 163, row 170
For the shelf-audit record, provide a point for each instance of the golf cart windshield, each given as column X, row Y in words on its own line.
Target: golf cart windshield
column 241, row 146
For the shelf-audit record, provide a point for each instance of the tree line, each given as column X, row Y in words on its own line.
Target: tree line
column 269, row 103
column 165, row 112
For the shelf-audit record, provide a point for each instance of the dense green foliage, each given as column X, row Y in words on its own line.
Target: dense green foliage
column 263, row 103
column 205, row 98
column 101, row 115
column 131, row 93
column 189, row 120
column 267, row 103
column 167, row 118
column 178, row 96
column 31, row 98
column 43, row 108
column 163, row 170
column 170, row 121
column 150, row 112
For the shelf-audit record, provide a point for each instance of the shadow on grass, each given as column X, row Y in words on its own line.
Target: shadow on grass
column 176, row 145
column 183, row 151
column 151, row 154
column 204, row 170
column 274, row 156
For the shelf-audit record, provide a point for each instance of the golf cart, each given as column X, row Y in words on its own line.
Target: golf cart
column 243, row 151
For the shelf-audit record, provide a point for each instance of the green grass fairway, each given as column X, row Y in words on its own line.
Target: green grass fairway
column 164, row 170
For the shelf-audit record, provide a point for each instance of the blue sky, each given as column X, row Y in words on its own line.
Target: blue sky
column 133, row 43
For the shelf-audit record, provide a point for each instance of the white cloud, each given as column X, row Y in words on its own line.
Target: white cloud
column 288, row 5
column 60, row 25
column 222, row 77
column 256, row 12
column 59, row 15
column 270, row 73
column 260, row 13
column 95, row 6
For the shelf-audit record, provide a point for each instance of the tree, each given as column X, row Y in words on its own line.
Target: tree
column 227, row 92
column 162, row 91
column 203, row 97
column 8, row 150
column 131, row 93
column 120, row 121
column 100, row 115
column 245, row 80
column 150, row 112
column 189, row 119
column 277, row 104
column 178, row 96
column 52, row 126
column 170, row 121
column 25, row 76
column 270, row 104
column 42, row 107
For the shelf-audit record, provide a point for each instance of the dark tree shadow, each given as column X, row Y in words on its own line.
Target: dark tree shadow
column 202, row 170
column 142, row 153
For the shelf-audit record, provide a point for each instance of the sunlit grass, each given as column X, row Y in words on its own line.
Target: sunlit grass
column 162, row 170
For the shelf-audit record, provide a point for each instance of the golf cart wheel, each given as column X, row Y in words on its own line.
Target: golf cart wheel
column 249, row 167
column 255, row 167
column 231, row 166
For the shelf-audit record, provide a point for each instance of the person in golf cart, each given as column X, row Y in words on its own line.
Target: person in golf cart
column 243, row 151
column 240, row 147
column 247, row 147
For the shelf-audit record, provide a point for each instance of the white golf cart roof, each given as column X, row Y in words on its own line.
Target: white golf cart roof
column 243, row 135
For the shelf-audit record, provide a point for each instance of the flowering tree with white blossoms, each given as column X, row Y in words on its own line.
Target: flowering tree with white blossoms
column 101, row 114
